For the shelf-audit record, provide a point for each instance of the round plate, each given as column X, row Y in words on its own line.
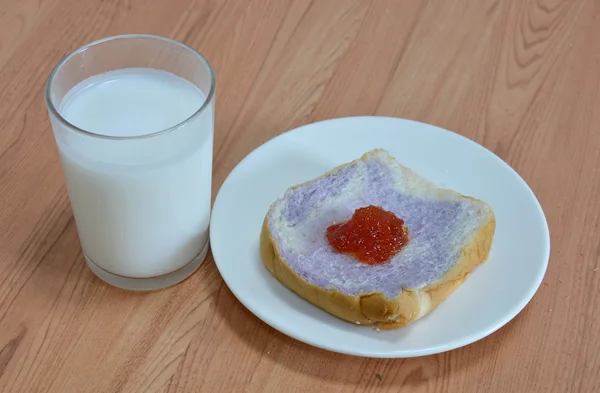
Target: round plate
column 489, row 298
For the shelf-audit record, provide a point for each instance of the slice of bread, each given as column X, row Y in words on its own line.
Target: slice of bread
column 449, row 233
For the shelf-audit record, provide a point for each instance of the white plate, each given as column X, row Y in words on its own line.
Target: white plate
column 492, row 295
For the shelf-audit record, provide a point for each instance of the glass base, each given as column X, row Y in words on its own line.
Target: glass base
column 150, row 283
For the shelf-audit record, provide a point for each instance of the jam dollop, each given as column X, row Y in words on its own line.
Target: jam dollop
column 372, row 235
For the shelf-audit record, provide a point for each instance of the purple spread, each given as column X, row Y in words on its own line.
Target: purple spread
column 306, row 214
column 301, row 200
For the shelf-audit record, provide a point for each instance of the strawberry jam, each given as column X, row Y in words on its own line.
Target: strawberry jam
column 372, row 235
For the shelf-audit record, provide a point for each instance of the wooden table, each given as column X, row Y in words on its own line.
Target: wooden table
column 520, row 77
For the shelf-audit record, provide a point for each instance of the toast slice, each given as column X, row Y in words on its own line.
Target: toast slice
column 450, row 234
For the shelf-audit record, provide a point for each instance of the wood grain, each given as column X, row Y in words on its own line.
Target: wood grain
column 521, row 77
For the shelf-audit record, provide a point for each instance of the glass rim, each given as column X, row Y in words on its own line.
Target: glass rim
column 54, row 111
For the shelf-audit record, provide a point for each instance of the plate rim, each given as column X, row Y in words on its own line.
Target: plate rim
column 467, row 339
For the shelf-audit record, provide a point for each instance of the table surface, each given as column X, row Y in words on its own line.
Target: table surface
column 520, row 77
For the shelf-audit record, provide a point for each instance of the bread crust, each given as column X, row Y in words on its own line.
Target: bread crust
column 375, row 308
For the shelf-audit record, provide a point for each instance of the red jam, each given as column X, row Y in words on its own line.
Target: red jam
column 372, row 235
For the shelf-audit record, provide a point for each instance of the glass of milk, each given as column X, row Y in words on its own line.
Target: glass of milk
column 133, row 122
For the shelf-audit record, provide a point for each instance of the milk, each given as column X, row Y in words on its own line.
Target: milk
column 141, row 206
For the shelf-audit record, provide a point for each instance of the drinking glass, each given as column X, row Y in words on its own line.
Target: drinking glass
column 141, row 200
